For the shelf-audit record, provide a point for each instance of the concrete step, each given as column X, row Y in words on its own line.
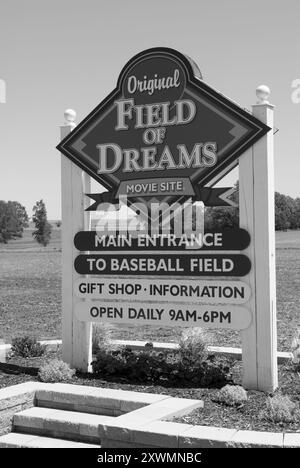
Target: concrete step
column 16, row 440
column 70, row 425
column 93, row 400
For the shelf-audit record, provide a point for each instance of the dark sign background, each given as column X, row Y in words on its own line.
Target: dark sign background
column 242, row 265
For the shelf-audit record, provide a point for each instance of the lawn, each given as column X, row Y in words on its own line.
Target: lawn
column 30, row 293
column 30, row 288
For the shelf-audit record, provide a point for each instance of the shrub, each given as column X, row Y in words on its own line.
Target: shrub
column 296, row 350
column 149, row 366
column 280, row 409
column 231, row 395
column 56, row 371
column 102, row 336
column 149, row 346
column 27, row 346
column 193, row 347
column 210, row 373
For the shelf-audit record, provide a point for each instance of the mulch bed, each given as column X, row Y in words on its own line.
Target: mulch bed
column 18, row 370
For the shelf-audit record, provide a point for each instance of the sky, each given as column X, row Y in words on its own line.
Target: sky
column 64, row 54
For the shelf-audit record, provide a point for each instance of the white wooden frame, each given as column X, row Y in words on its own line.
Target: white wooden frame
column 257, row 216
column 76, row 336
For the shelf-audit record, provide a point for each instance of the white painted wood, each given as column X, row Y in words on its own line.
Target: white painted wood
column 67, row 278
column 76, row 336
column 265, row 248
column 259, row 341
column 246, row 197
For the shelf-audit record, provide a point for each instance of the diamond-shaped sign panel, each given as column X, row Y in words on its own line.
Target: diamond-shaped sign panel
column 161, row 124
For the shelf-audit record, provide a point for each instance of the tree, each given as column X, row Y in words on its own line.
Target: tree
column 222, row 217
column 292, row 207
column 297, row 212
column 8, row 222
column 21, row 217
column 42, row 233
column 283, row 212
column 13, row 220
column 22, row 214
column 287, row 213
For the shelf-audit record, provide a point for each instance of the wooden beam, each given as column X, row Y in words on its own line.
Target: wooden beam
column 76, row 336
column 256, row 190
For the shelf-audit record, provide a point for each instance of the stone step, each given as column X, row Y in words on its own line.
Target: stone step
column 70, row 425
column 93, row 400
column 16, row 440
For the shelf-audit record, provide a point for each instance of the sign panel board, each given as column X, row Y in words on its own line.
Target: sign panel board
column 175, row 291
column 229, row 239
column 230, row 317
column 152, row 264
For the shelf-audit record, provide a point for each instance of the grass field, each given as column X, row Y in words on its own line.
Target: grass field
column 30, row 293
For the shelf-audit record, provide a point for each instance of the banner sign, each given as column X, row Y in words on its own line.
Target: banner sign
column 175, row 291
column 209, row 196
column 229, row 239
column 170, row 265
column 162, row 314
column 162, row 133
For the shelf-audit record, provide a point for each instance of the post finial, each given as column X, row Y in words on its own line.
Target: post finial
column 70, row 116
column 263, row 92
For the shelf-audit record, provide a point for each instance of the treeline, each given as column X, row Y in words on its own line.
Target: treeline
column 287, row 213
column 14, row 219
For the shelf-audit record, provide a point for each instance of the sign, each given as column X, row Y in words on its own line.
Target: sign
column 162, row 132
column 209, row 196
column 162, row 265
column 161, row 314
column 174, row 291
column 159, row 143
column 229, row 239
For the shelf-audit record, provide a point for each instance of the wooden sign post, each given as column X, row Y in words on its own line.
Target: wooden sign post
column 76, row 335
column 257, row 215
